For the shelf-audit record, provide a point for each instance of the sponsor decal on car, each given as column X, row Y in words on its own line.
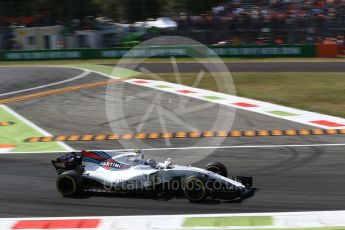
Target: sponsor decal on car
column 112, row 164
column 103, row 159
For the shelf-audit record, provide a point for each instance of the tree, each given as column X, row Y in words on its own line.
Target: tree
column 120, row 10
column 130, row 10
column 64, row 10
column 194, row 7
column 110, row 8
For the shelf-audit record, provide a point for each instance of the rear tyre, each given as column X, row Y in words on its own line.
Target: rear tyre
column 194, row 189
column 218, row 168
column 69, row 183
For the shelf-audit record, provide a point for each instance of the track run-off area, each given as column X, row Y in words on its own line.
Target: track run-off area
column 291, row 172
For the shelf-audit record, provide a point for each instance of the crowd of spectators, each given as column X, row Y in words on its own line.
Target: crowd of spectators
column 269, row 21
column 233, row 22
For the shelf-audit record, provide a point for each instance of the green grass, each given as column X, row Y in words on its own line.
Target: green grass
column 244, row 222
column 108, row 70
column 19, row 131
column 315, row 91
column 269, row 228
column 228, row 221
column 322, row 92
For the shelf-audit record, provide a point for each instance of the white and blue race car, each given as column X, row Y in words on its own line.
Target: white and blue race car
column 128, row 172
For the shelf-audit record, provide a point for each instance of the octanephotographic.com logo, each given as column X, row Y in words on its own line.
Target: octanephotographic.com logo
column 166, row 63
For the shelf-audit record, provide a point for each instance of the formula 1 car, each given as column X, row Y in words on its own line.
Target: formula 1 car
column 128, row 172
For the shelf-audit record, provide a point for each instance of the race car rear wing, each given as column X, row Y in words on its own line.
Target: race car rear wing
column 70, row 161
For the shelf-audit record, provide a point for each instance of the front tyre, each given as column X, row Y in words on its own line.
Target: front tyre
column 194, row 189
column 217, row 168
column 69, row 183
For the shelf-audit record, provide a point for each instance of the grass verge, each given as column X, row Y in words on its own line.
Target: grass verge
column 313, row 91
column 228, row 221
column 321, row 92
column 108, row 70
column 19, row 131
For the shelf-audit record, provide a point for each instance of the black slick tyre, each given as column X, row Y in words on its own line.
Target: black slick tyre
column 69, row 183
column 194, row 189
column 218, row 168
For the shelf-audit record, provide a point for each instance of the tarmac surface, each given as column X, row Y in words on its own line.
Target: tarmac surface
column 189, row 67
column 288, row 178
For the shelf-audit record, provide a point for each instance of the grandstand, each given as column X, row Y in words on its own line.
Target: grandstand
column 232, row 22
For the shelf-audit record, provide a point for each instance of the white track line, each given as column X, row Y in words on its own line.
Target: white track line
column 32, row 125
column 197, row 148
column 260, row 107
column 280, row 220
column 235, row 147
column 302, row 117
column 85, row 73
column 308, row 114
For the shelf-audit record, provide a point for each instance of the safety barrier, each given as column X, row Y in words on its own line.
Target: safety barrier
column 164, row 51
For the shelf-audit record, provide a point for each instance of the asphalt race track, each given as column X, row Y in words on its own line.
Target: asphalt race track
column 245, row 67
column 288, row 178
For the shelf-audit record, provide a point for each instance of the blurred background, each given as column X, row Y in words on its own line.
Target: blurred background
column 51, row 24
